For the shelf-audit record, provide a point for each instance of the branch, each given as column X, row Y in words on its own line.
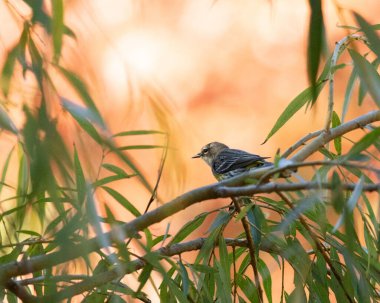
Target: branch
column 339, row 47
column 300, row 143
column 291, row 166
column 130, row 267
column 120, row 233
column 338, row 131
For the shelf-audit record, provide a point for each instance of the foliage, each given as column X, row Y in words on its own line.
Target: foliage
column 327, row 258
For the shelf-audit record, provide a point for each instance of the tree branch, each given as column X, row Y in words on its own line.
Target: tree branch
column 120, row 233
column 338, row 131
column 130, row 267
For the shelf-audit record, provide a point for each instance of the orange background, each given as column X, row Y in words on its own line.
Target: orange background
column 202, row 70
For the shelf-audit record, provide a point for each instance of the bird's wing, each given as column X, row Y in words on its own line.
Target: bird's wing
column 232, row 159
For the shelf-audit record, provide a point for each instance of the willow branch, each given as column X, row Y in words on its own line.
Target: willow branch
column 335, row 132
column 292, row 166
column 130, row 267
column 127, row 230
column 339, row 47
column 301, row 142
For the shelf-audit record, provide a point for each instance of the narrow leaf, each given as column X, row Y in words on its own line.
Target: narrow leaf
column 188, row 228
column 352, row 201
column 368, row 75
column 79, row 178
column 138, row 132
column 364, row 143
column 122, row 200
column 373, row 39
column 348, row 93
column 295, row 105
column 315, row 41
column 8, row 67
column 338, row 140
column 58, row 27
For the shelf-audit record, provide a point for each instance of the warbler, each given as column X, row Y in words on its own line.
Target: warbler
column 226, row 162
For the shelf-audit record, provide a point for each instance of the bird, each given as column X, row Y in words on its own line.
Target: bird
column 227, row 162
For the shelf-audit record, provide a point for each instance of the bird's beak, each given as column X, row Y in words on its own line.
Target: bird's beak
column 198, row 155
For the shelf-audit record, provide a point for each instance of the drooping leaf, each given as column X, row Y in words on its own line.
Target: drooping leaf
column 84, row 117
column 348, row 93
column 83, row 92
column 79, row 178
column 352, row 201
column 8, row 68
column 368, row 75
column 365, row 142
column 294, row 106
column 138, row 132
column 57, row 27
column 338, row 140
column 188, row 228
column 315, row 41
column 266, row 277
column 122, row 200
column 6, row 122
column 373, row 38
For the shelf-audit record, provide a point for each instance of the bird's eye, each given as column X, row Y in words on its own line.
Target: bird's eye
column 205, row 150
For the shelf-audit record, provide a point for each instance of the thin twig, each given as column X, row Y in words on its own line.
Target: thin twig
column 160, row 170
column 339, row 47
column 300, row 143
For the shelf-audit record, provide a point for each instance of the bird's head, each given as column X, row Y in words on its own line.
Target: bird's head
column 209, row 152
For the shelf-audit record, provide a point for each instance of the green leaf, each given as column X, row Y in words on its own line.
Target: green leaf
column 348, row 93
column 58, row 27
column 368, row 75
column 8, row 68
column 337, row 195
column 185, row 278
column 144, row 276
column 222, row 219
column 6, row 122
column 138, row 132
column 373, row 39
column 5, row 169
column 115, row 169
column 315, row 41
column 29, row 232
column 79, row 178
column 364, row 143
column 294, row 106
column 131, row 147
column 351, row 203
column 303, row 205
column 256, row 219
column 188, row 228
column 122, row 200
column 223, row 283
column 83, row 92
column 338, row 140
column 266, row 277
column 243, row 211
column 84, row 117
column 110, row 179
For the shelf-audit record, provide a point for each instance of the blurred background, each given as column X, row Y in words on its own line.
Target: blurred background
column 200, row 70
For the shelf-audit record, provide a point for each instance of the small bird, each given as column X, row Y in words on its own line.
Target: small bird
column 226, row 162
